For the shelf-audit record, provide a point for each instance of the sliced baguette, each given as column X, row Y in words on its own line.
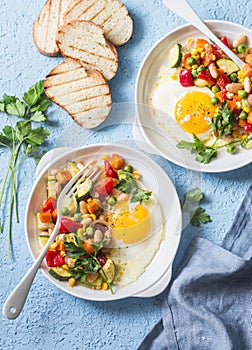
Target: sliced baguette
column 83, row 94
column 111, row 15
column 47, row 24
column 85, row 41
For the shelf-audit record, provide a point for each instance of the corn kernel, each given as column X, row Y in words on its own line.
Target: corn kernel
column 105, row 156
column 104, row 286
column 71, row 282
column 65, row 267
column 200, row 49
column 53, row 245
column 92, row 216
column 202, row 54
column 194, row 52
column 240, row 74
column 246, row 109
column 136, row 175
column 239, row 105
column 62, row 253
column 174, row 76
column 213, row 57
column 189, row 41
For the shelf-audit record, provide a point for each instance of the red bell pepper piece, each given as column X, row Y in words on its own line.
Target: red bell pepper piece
column 205, row 75
column 224, row 95
column 222, row 81
column 49, row 205
column 53, row 258
column 110, row 172
column 68, row 225
column 106, row 187
column 224, row 39
column 186, row 78
column 248, row 127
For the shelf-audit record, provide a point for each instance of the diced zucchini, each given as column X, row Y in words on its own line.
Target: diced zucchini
column 175, row 56
column 109, row 270
column 70, row 204
column 84, row 190
column 59, row 273
column 42, row 240
column 227, row 65
column 51, row 188
column 42, row 226
column 96, row 284
column 72, row 168
column 200, row 82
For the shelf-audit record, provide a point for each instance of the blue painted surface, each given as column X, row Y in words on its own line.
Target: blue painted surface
column 52, row 318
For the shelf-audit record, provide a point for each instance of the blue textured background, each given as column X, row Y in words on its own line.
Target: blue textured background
column 51, row 318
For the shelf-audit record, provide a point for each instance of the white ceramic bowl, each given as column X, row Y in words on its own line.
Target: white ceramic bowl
column 157, row 275
column 147, row 128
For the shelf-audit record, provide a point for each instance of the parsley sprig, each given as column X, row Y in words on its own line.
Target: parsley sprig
column 129, row 185
column 21, row 139
column 190, row 204
column 85, row 262
column 222, row 124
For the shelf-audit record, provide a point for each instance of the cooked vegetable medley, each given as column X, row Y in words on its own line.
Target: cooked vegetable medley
column 202, row 63
column 81, row 251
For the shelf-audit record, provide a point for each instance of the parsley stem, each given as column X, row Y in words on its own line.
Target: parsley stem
column 9, row 222
column 3, row 189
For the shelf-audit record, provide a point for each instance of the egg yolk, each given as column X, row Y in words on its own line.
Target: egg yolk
column 131, row 227
column 194, row 112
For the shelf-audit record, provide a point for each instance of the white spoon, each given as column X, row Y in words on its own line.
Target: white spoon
column 185, row 11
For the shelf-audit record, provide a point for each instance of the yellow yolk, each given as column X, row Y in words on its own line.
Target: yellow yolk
column 131, row 227
column 194, row 112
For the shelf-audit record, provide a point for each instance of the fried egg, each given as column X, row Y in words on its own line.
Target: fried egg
column 136, row 237
column 190, row 107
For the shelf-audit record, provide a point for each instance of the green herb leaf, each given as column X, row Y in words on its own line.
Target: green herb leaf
column 16, row 108
column 37, row 117
column 37, row 136
column 32, row 96
column 140, row 195
column 192, row 199
column 200, row 216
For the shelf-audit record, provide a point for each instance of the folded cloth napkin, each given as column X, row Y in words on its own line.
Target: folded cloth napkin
column 209, row 303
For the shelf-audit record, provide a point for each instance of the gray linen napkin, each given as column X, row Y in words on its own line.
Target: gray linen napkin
column 209, row 303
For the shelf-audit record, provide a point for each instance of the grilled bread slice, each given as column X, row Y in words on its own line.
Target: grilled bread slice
column 85, row 41
column 111, row 15
column 83, row 94
column 47, row 24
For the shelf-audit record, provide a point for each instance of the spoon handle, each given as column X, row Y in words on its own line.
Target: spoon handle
column 185, row 11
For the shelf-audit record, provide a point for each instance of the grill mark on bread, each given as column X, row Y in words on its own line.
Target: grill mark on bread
column 88, row 99
column 82, row 89
column 90, row 109
column 92, row 53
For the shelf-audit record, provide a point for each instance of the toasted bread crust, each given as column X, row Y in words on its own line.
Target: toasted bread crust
column 85, row 42
column 85, row 95
column 111, row 15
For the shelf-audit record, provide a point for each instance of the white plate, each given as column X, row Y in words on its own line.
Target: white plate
column 157, row 275
column 164, row 142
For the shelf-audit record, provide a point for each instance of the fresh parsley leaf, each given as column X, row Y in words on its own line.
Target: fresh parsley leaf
column 192, row 199
column 140, row 195
column 74, row 250
column 37, row 136
column 38, row 116
column 200, row 216
column 42, row 104
column 2, row 106
column 16, row 108
column 32, row 96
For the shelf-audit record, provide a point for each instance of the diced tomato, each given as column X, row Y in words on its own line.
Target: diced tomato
column 222, row 81
column 205, row 75
column 53, row 258
column 224, row 95
column 186, row 78
column 248, row 127
column 106, row 187
column 68, row 225
column 110, row 172
column 49, row 205
column 224, row 39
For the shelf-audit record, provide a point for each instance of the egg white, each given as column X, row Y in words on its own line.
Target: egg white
column 131, row 261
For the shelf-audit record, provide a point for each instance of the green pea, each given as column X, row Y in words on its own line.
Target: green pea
column 64, row 211
column 194, row 73
column 89, row 231
column 242, row 48
column 214, row 101
column 200, row 68
column 190, row 61
column 111, row 200
column 77, row 217
column 233, row 77
column 242, row 94
column 215, row 89
column 128, row 168
column 243, row 115
column 230, row 148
